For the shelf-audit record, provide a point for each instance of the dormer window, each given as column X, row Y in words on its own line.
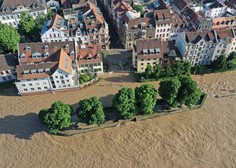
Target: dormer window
column 22, row 55
column 40, row 71
column 46, row 55
column 47, row 69
column 36, row 55
column 27, row 48
column 67, row 46
column 46, row 47
column 26, row 72
column 145, row 51
column 158, row 50
column 151, row 51
column 72, row 53
column 33, row 71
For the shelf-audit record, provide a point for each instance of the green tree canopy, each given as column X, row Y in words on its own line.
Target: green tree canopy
column 124, row 103
column 167, row 72
column 188, row 93
column 168, row 90
column 219, row 63
column 148, row 72
column 9, row 38
column 91, row 111
column 57, row 117
column 138, row 8
column 157, row 71
column 146, row 97
column 232, row 56
column 26, row 25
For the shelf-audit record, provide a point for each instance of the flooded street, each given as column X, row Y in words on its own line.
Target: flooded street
column 200, row 138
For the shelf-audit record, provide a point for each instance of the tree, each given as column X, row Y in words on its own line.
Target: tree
column 167, row 72
column 168, row 90
column 124, row 103
column 219, row 63
column 231, row 64
column 138, row 8
column 146, row 97
column 157, row 71
column 201, row 69
column 26, row 25
column 148, row 71
column 178, row 68
column 57, row 117
column 9, row 38
column 91, row 111
column 188, row 93
column 232, row 56
column 186, row 68
column 84, row 78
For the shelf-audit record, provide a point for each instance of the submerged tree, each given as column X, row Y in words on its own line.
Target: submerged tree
column 188, row 93
column 146, row 97
column 91, row 111
column 169, row 89
column 124, row 103
column 57, row 117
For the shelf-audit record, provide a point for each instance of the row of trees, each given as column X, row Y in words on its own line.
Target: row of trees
column 91, row 110
column 127, row 103
column 223, row 64
column 170, row 70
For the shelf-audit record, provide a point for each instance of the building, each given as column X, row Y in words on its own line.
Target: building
column 191, row 19
column 119, row 8
column 147, row 52
column 196, row 47
column 46, row 67
column 164, row 24
column 11, row 10
column 73, row 6
column 225, row 42
column 131, row 30
column 86, row 27
column 8, row 63
column 224, row 22
column 202, row 47
column 89, row 59
column 53, row 4
column 95, row 26
column 56, row 30
column 213, row 8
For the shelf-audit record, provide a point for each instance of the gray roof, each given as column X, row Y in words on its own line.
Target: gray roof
column 8, row 6
column 8, row 62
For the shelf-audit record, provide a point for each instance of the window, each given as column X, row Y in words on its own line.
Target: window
column 23, row 84
column 32, row 88
column 26, row 90
column 4, row 78
column 45, row 87
column 39, row 88
column 30, row 84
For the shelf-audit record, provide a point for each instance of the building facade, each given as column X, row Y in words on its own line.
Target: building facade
column 10, row 11
column 89, row 59
column 46, row 67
